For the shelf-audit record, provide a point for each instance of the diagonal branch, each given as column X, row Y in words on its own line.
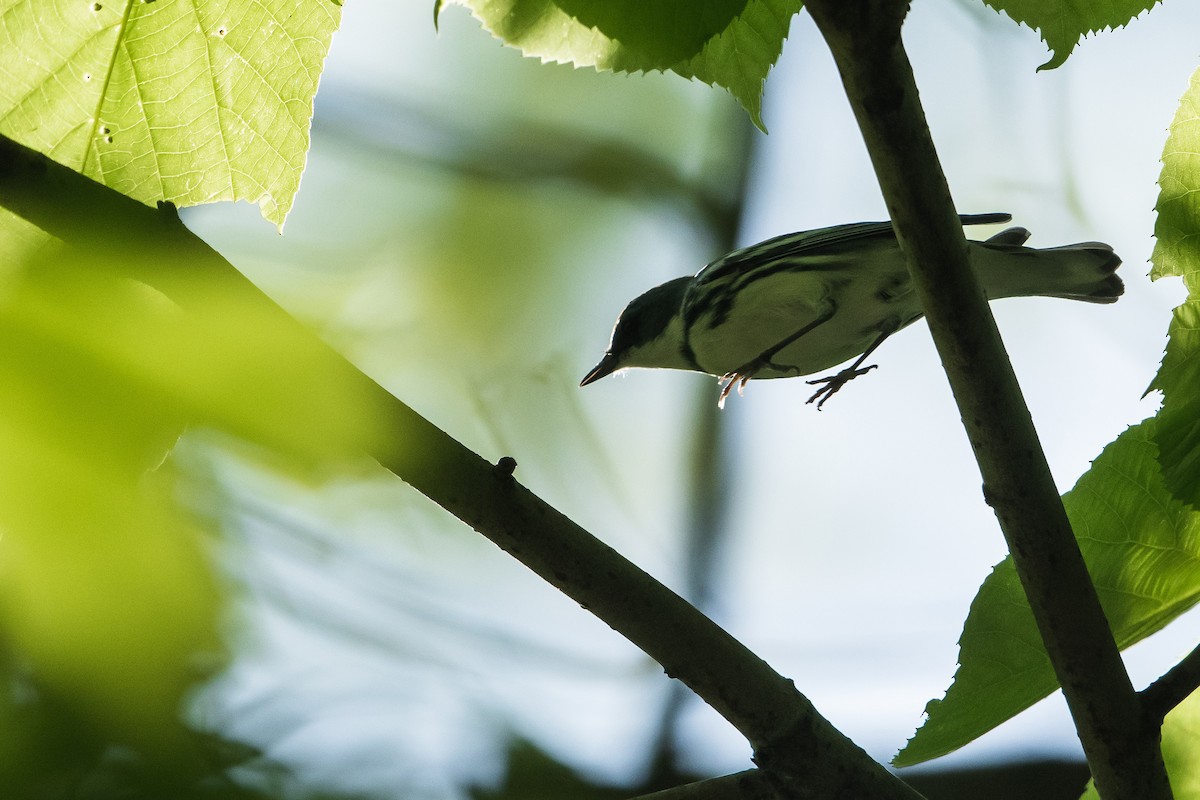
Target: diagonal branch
column 1120, row 743
column 800, row 751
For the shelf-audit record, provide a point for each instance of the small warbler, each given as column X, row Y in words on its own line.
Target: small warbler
column 805, row 302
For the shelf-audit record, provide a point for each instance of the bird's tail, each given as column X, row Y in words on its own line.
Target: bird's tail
column 1084, row 271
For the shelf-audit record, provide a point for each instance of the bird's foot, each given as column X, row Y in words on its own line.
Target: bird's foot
column 742, row 375
column 835, row 382
column 738, row 378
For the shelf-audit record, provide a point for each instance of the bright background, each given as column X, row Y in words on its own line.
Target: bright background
column 469, row 226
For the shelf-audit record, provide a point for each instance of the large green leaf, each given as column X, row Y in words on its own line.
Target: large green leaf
column 192, row 101
column 1177, row 228
column 1177, row 252
column 728, row 43
column 1141, row 546
column 1063, row 23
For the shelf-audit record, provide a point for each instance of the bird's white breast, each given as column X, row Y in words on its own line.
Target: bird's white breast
column 772, row 308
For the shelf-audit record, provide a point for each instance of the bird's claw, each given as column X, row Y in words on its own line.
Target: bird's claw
column 832, row 383
column 730, row 379
column 835, row 382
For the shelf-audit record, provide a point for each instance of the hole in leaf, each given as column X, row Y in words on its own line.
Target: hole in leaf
column 221, row 31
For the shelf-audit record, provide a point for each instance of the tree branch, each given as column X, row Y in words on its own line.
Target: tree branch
column 1121, row 746
column 1175, row 686
column 801, row 751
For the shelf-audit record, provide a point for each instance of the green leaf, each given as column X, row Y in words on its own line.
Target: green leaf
column 1180, row 749
column 1177, row 252
column 727, row 43
column 1063, row 23
column 1177, row 228
column 106, row 593
column 660, row 32
column 108, row 598
column 192, row 102
column 1141, row 547
column 1177, row 432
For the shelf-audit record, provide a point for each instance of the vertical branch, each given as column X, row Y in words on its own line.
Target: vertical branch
column 1121, row 744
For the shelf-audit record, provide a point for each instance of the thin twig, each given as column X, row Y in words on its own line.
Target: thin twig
column 1122, row 750
column 1175, row 686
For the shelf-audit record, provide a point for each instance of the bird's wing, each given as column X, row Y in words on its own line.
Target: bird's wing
column 791, row 245
column 789, row 248
column 792, row 252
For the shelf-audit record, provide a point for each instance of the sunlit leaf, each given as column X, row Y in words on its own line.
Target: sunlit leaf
column 1177, row 252
column 729, row 43
column 1177, row 228
column 1062, row 23
column 1141, row 547
column 1181, row 748
column 191, row 102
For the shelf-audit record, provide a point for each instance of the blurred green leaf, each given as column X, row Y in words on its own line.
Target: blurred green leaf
column 106, row 592
column 728, row 43
column 189, row 102
column 1141, row 547
column 231, row 360
column 662, row 31
column 1062, row 23
column 1177, row 228
column 1181, row 751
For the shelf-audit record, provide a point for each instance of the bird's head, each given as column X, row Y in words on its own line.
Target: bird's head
column 649, row 333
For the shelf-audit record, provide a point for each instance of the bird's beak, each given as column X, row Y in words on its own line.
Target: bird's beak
column 607, row 366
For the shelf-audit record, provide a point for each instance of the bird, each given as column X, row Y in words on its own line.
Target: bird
column 804, row 302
